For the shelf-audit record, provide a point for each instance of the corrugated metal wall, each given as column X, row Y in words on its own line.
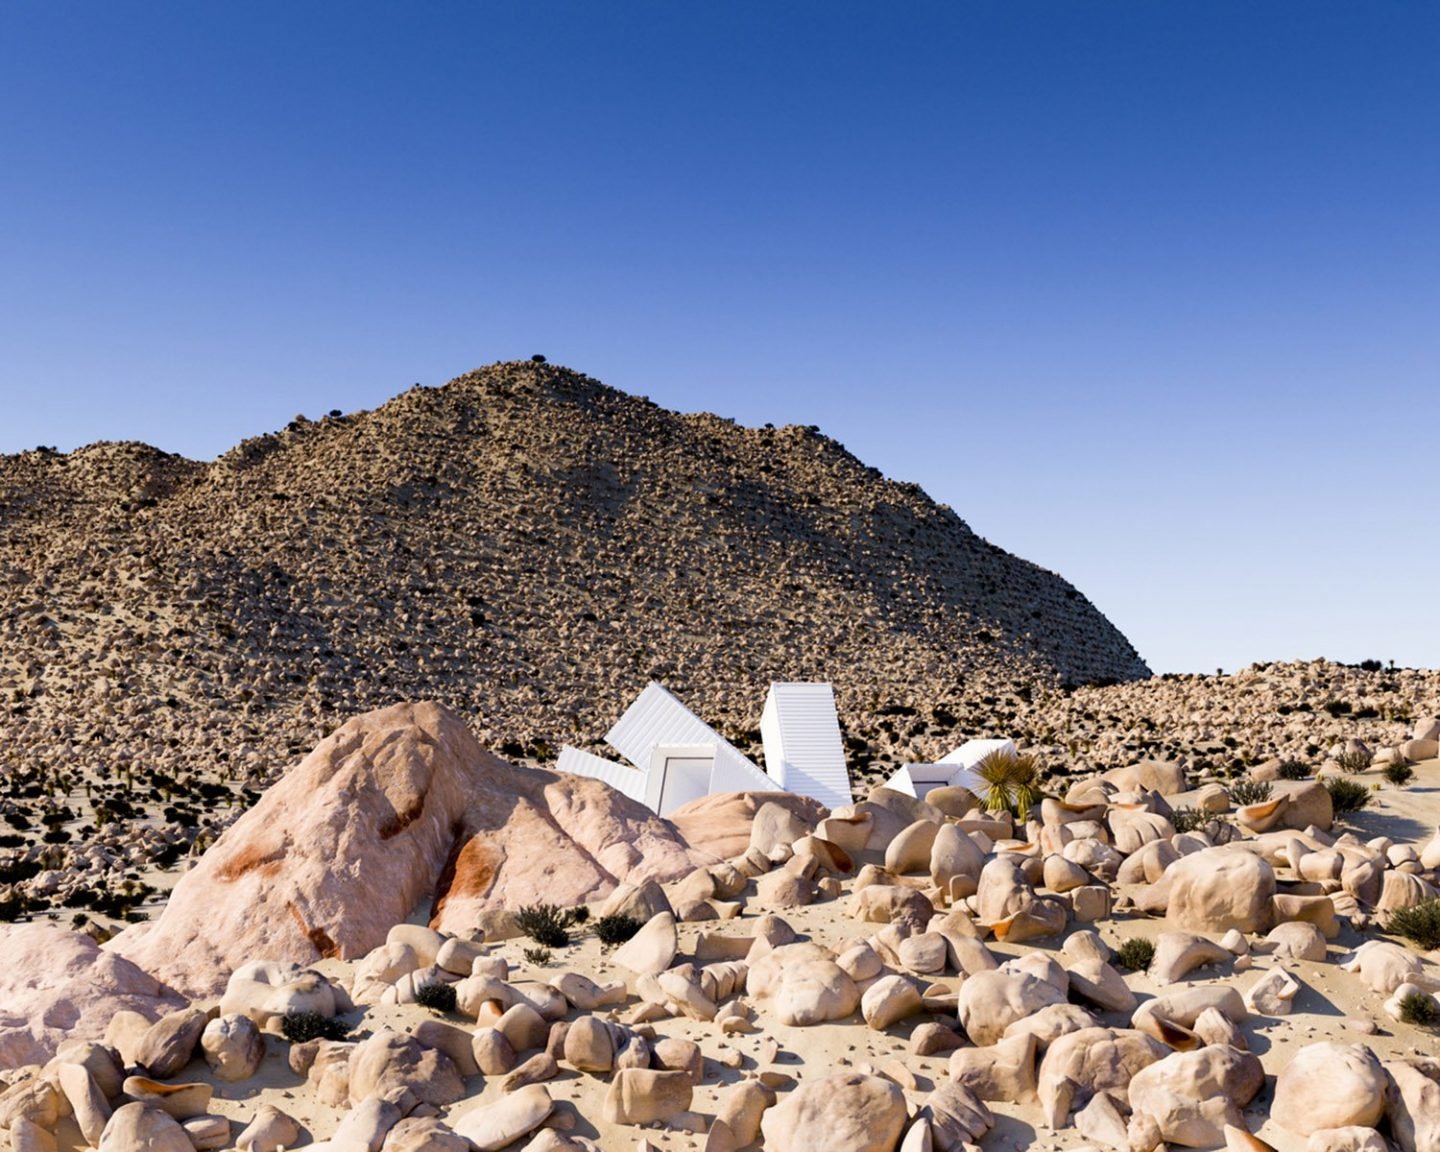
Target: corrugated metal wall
column 803, row 748
column 623, row 778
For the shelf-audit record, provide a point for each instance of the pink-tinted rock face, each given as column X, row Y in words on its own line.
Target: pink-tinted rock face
column 398, row 808
column 57, row 985
column 720, row 824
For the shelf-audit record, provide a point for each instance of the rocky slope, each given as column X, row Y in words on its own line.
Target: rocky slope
column 523, row 545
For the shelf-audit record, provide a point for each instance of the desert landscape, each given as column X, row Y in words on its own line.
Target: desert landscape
column 286, row 862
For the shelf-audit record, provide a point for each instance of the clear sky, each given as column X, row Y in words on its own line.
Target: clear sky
column 1148, row 292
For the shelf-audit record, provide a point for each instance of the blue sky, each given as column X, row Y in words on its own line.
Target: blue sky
column 1149, row 293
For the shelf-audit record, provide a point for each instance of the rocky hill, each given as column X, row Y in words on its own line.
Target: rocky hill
column 524, row 545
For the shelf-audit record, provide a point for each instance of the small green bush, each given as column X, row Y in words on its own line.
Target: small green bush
column 617, row 929
column 1347, row 795
column 298, row 1027
column 1419, row 923
column 537, row 956
column 545, row 924
column 1420, row 1009
column 1188, row 819
column 437, row 995
column 1399, row 773
column 1244, row 792
column 1353, row 760
column 1135, row 954
column 579, row 914
column 1294, row 770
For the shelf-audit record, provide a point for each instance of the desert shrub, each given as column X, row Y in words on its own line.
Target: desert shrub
column 437, row 995
column 1419, row 923
column 1337, row 708
column 1187, row 819
column 1293, row 770
column 1420, row 1009
column 1135, row 953
column 1399, row 773
column 616, row 929
column 579, row 914
column 1244, row 792
column 298, row 1027
column 537, row 956
column 1353, row 760
column 1347, row 795
column 546, row 924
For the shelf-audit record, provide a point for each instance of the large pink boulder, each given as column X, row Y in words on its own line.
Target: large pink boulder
column 400, row 807
column 720, row 824
column 57, row 985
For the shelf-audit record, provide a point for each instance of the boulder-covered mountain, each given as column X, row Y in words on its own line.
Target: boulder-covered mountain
column 524, row 545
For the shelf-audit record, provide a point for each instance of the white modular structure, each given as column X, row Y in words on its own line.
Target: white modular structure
column 804, row 752
column 624, row 778
column 954, row 770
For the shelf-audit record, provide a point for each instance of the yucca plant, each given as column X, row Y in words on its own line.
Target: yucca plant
column 1011, row 782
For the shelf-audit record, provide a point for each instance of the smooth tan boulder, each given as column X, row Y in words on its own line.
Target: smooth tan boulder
column 652, row 949
column 426, row 1134
column 1192, row 1096
column 233, row 1047
column 454, row 1041
column 991, row 1001
column 493, row 1052
column 1177, row 954
column 741, row 1108
column 139, row 1128
column 1217, row 889
column 181, row 1101
column 1329, row 1085
column 954, row 856
column 1412, row 1103
column 1003, row 1072
column 956, row 1117
column 888, row 1001
column 27, row 1136
column 396, row 1066
column 170, row 1042
column 850, row 1112
column 491, row 1127
column 1353, row 1139
column 87, row 1102
column 1297, row 940
column 590, row 1045
column 645, row 1095
column 269, row 1131
column 1079, row 1064
column 910, row 850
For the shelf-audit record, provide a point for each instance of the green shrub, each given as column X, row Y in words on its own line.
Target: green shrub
column 1135, row 954
column 1399, row 773
column 617, row 929
column 1244, row 792
column 579, row 914
column 1353, row 760
column 1294, row 770
column 545, row 924
column 437, row 995
column 298, row 1027
column 1188, row 819
column 1420, row 1009
column 1347, row 795
column 1419, row 923
column 537, row 956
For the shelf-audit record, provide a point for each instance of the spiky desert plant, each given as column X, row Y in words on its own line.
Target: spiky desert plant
column 1420, row 1009
column 1420, row 923
column 1135, row 953
column 1353, row 760
column 1399, row 773
column 1244, row 792
column 1347, row 795
column 1011, row 782
column 537, row 956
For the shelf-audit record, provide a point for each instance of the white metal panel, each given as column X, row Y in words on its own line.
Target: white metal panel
column 969, row 754
column 679, row 773
column 803, row 749
column 622, row 777
column 656, row 718
column 734, row 773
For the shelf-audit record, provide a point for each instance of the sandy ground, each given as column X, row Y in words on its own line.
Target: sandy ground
column 1331, row 1005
